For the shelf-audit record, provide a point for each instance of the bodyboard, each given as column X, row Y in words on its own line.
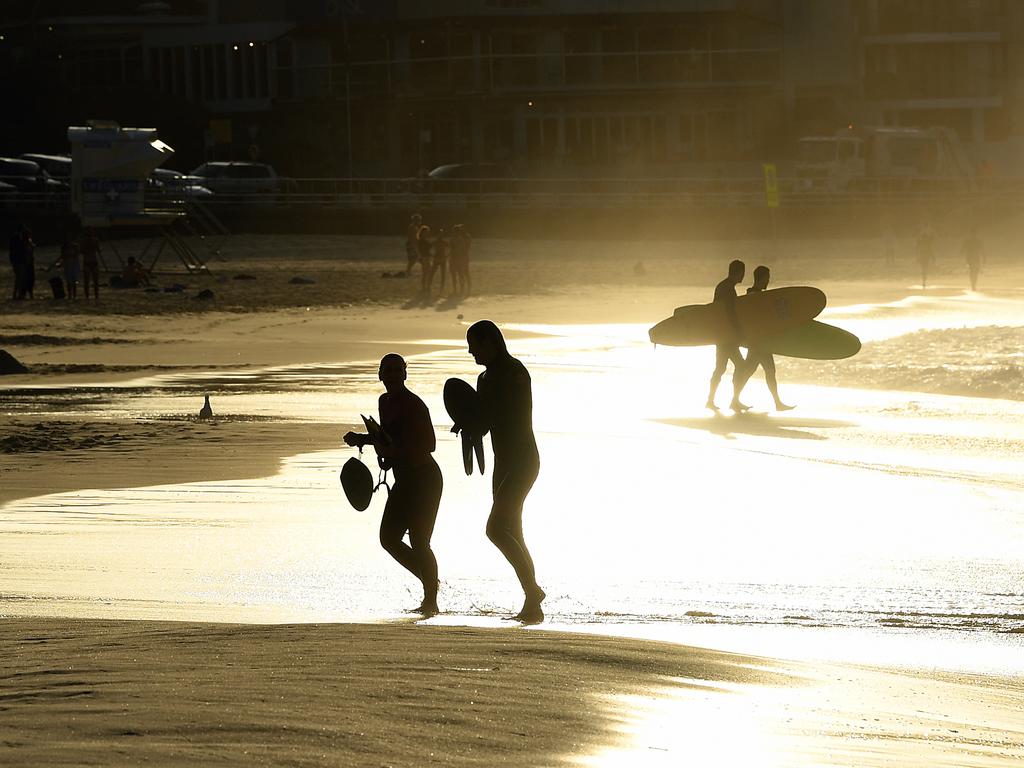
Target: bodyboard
column 357, row 482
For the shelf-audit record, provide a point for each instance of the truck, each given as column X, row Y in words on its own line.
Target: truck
column 882, row 158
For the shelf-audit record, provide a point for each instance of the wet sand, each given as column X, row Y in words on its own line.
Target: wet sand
column 119, row 693
column 112, row 692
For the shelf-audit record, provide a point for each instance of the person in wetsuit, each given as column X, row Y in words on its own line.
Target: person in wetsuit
column 728, row 349
column 413, row 501
column 506, row 399
column 764, row 358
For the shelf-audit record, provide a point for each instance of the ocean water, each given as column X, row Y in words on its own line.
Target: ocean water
column 870, row 511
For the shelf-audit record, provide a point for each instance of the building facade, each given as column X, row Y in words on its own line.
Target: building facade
column 703, row 88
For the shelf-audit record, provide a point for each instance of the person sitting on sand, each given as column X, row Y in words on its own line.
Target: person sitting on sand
column 974, row 255
column 760, row 357
column 728, row 348
column 506, row 398
column 132, row 276
column 413, row 501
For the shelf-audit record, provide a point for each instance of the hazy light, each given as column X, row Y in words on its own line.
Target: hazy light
column 235, row 47
column 251, row 45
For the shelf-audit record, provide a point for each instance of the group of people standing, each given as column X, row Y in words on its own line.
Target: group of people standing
column 972, row 248
column 79, row 260
column 438, row 252
column 506, row 400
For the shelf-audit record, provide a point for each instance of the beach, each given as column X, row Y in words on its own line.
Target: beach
column 118, row 693
column 838, row 585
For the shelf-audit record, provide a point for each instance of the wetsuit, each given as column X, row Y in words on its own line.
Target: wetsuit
column 506, row 398
column 413, row 501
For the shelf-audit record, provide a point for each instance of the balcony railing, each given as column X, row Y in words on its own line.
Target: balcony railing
column 535, row 73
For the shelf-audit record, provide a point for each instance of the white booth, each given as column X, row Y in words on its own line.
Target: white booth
column 110, row 167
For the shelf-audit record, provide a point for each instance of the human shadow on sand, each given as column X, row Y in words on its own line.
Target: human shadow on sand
column 761, row 424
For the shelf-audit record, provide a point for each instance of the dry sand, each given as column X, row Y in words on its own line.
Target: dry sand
column 119, row 693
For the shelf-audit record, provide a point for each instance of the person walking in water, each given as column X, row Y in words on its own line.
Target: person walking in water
column 974, row 255
column 760, row 357
column 406, row 448
column 925, row 252
column 728, row 348
column 506, row 398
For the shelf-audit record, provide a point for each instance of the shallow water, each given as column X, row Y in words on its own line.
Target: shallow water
column 890, row 515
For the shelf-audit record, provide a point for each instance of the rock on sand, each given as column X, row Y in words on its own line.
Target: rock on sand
column 8, row 364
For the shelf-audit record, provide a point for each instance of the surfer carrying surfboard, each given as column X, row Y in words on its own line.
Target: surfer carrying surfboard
column 413, row 501
column 757, row 356
column 506, row 404
column 728, row 348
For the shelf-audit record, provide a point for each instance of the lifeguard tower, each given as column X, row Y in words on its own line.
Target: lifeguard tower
column 110, row 170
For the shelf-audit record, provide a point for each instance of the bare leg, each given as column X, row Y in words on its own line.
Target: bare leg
column 721, row 360
column 773, row 384
column 505, row 530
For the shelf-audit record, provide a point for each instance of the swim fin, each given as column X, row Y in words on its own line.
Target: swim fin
column 478, row 447
column 467, row 452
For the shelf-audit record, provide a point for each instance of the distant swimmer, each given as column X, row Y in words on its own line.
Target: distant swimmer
column 413, row 501
column 974, row 255
column 925, row 252
column 760, row 357
column 506, row 396
column 728, row 349
column 206, row 412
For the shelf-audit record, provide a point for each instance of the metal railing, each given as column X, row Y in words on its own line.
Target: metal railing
column 369, row 194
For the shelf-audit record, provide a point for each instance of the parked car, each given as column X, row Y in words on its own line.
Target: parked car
column 177, row 184
column 239, row 181
column 28, row 177
column 57, row 166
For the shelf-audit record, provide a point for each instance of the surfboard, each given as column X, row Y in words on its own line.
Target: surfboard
column 812, row 341
column 463, row 405
column 357, row 482
column 763, row 313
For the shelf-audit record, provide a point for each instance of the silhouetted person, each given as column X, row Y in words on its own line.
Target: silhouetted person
column 412, row 254
column 413, row 501
column 424, row 244
column 132, row 276
column 889, row 246
column 728, row 348
column 89, row 244
column 28, row 264
column 70, row 262
column 16, row 254
column 974, row 255
column 506, row 398
column 764, row 358
column 206, row 412
column 925, row 253
column 440, row 262
column 459, row 259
